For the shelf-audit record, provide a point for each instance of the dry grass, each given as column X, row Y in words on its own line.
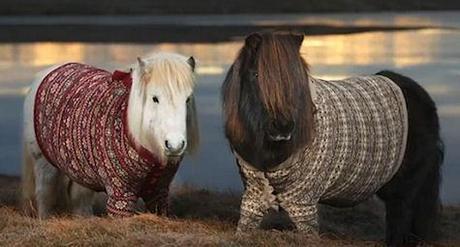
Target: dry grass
column 200, row 218
column 143, row 230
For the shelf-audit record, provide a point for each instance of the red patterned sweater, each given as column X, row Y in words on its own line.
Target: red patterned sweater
column 81, row 128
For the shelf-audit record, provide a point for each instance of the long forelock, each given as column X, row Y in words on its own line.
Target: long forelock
column 282, row 74
column 282, row 89
column 170, row 71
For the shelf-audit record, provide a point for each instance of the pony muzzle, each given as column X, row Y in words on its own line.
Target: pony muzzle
column 278, row 138
column 175, row 148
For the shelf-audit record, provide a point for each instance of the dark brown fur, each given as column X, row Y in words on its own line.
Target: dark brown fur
column 266, row 92
column 255, row 107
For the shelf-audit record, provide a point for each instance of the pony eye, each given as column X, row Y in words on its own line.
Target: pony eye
column 155, row 99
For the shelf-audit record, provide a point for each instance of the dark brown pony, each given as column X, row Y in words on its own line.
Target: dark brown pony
column 268, row 113
column 265, row 121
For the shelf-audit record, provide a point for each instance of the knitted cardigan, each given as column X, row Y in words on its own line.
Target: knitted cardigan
column 81, row 128
column 359, row 143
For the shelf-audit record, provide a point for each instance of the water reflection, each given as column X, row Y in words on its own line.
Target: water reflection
column 397, row 49
column 429, row 56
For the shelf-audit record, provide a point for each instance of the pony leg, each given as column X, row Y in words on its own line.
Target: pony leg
column 28, row 201
column 398, row 222
column 156, row 191
column 256, row 200
column 255, row 204
column 158, row 203
column 81, row 199
column 427, row 206
column 412, row 196
column 121, row 202
column 48, row 185
column 304, row 217
column 251, row 214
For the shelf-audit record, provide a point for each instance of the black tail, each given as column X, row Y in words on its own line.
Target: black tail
column 417, row 183
column 427, row 203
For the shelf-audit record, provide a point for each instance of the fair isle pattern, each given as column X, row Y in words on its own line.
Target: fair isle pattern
column 360, row 139
column 80, row 126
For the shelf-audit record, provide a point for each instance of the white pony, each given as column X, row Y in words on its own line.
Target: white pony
column 69, row 152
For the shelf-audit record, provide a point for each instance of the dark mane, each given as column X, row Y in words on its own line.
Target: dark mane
column 267, row 86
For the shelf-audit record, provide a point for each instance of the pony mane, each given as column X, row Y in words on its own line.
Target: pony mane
column 281, row 72
column 168, row 67
column 175, row 73
column 281, row 88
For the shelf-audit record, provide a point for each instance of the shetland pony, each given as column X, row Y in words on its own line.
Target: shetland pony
column 156, row 111
column 269, row 113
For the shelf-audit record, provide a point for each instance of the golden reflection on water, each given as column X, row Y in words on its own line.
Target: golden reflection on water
column 19, row 62
column 50, row 53
column 399, row 49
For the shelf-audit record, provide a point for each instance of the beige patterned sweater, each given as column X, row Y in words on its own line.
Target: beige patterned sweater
column 360, row 139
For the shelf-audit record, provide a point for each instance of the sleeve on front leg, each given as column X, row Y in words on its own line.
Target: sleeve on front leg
column 257, row 198
column 252, row 212
column 304, row 215
column 156, row 190
column 121, row 205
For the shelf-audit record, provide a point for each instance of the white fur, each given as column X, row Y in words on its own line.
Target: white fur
column 167, row 76
column 151, row 124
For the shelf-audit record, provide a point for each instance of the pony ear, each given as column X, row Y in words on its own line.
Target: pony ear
column 191, row 62
column 253, row 40
column 298, row 38
column 141, row 63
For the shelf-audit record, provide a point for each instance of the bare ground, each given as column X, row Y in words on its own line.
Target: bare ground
column 199, row 218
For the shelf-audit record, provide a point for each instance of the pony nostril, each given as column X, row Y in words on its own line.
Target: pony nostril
column 288, row 126
column 284, row 126
column 174, row 148
column 167, row 145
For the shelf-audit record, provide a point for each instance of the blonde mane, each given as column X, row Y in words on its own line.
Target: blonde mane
column 168, row 67
column 172, row 72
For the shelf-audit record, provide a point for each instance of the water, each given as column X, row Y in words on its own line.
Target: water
column 430, row 56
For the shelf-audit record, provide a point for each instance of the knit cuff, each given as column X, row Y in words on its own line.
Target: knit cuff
column 121, row 207
column 248, row 221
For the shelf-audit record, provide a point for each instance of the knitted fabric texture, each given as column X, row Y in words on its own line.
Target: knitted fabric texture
column 360, row 139
column 80, row 126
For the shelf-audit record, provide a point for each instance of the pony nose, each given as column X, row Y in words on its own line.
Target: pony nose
column 174, row 148
column 284, row 127
column 282, row 130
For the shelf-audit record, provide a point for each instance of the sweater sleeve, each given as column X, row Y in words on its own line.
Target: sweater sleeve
column 121, row 200
column 155, row 191
column 121, row 205
column 257, row 197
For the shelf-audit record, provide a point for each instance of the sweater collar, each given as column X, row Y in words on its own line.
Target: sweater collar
column 124, row 77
